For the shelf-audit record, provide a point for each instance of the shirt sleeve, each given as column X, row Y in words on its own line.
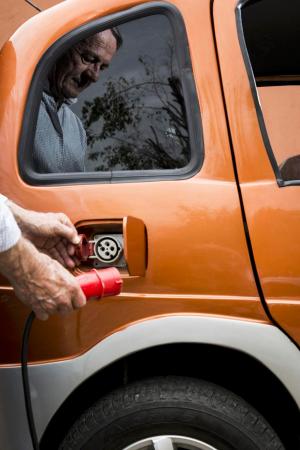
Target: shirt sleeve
column 10, row 233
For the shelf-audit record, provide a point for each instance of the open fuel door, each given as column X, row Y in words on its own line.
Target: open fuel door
column 119, row 243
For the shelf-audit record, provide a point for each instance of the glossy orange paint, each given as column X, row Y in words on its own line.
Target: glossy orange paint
column 280, row 106
column 273, row 212
column 197, row 261
column 135, row 245
column 15, row 12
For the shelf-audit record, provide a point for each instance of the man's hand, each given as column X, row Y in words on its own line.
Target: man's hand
column 39, row 281
column 52, row 233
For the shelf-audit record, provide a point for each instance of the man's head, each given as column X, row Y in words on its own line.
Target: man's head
column 82, row 64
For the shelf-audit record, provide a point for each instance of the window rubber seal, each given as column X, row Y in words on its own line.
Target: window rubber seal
column 251, row 77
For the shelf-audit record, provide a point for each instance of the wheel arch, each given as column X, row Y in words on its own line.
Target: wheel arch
column 233, row 369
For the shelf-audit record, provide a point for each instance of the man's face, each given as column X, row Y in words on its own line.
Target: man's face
column 81, row 66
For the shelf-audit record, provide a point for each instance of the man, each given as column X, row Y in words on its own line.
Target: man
column 28, row 243
column 60, row 140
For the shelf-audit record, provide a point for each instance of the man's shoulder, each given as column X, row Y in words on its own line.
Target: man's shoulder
column 48, row 99
column 64, row 113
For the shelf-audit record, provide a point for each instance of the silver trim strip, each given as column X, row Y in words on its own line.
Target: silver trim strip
column 52, row 383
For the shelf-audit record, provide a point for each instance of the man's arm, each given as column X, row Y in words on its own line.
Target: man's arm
column 39, row 281
column 52, row 233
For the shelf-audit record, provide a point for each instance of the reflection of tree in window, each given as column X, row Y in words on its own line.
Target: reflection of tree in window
column 139, row 124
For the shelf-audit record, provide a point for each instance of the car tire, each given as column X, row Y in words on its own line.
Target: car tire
column 188, row 413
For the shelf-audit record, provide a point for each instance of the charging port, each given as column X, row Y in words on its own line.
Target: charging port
column 108, row 249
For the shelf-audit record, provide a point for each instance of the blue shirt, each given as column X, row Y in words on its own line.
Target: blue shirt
column 60, row 139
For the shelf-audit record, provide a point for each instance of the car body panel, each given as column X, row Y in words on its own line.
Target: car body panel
column 197, row 253
column 15, row 12
column 272, row 212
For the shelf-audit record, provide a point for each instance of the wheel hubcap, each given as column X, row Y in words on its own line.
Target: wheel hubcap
column 170, row 443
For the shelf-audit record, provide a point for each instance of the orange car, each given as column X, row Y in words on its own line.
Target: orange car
column 189, row 184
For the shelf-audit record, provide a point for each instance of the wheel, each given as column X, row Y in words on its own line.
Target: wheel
column 171, row 413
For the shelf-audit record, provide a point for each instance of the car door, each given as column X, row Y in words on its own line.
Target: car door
column 262, row 98
column 158, row 157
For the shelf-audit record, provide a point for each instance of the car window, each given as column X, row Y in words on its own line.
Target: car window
column 115, row 102
column 271, row 32
column 135, row 115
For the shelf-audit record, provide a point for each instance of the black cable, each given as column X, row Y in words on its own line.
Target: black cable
column 26, row 387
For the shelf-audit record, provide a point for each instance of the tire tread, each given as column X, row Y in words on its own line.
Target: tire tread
column 166, row 390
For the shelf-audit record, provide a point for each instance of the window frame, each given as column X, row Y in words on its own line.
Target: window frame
column 194, row 122
column 263, row 129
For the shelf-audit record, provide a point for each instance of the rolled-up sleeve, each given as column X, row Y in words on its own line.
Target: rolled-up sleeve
column 9, row 231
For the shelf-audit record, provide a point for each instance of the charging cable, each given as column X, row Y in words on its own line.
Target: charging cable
column 94, row 284
column 25, row 380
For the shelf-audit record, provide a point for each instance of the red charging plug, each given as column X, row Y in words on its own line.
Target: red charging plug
column 96, row 283
column 84, row 248
column 100, row 283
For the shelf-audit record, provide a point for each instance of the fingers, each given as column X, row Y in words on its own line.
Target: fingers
column 71, row 252
column 76, row 261
column 79, row 299
column 43, row 309
column 71, row 249
column 48, row 308
column 64, row 307
column 66, row 229
column 62, row 250
column 40, row 313
column 67, row 298
column 63, row 310
column 42, row 283
column 56, row 255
